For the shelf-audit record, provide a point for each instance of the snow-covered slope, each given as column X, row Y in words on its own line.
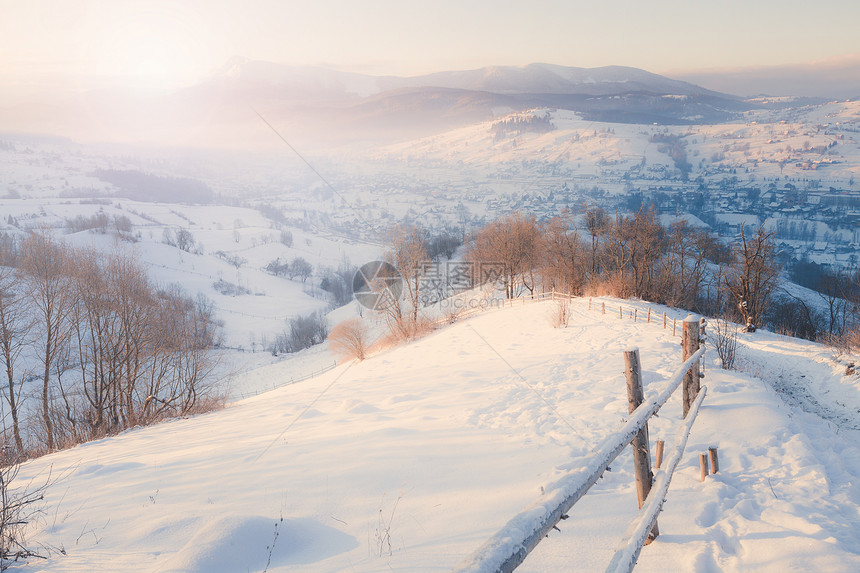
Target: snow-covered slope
column 411, row 459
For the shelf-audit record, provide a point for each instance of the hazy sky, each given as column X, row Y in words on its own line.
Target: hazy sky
column 165, row 43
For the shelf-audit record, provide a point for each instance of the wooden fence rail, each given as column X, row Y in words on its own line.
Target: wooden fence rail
column 508, row 548
column 637, row 534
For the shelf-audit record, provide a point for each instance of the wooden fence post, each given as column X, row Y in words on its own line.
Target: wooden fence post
column 649, row 315
column 715, row 462
column 664, row 320
column 620, row 313
column 674, row 323
column 659, row 461
column 603, row 308
column 641, row 451
column 703, row 466
column 690, row 344
column 635, row 314
column 589, row 304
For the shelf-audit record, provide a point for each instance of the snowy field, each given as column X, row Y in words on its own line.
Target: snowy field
column 410, row 460
column 251, row 319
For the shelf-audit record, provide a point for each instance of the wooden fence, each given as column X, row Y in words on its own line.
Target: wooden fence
column 508, row 548
column 623, row 311
column 279, row 384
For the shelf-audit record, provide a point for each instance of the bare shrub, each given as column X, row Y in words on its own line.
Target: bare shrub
column 208, row 402
column 229, row 289
column 452, row 314
column 286, row 237
column 303, row 332
column 404, row 329
column 724, row 337
column 403, row 326
column 852, row 339
column 350, row 339
column 560, row 316
column 383, row 530
column 846, row 343
column 234, row 260
column 18, row 507
column 339, row 283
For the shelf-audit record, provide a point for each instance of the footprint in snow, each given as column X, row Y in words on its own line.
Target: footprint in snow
column 709, row 516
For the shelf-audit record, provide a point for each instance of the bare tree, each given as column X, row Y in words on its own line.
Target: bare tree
column 409, row 255
column 301, row 268
column 184, row 239
column 137, row 354
column 286, row 237
column 15, row 325
column 835, row 291
column 46, row 264
column 96, row 339
column 646, row 245
column 752, row 277
column 181, row 365
column 617, row 257
column 597, row 223
column 683, row 269
column 564, row 260
column 512, row 243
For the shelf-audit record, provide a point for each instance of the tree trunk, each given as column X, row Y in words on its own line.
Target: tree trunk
column 46, row 406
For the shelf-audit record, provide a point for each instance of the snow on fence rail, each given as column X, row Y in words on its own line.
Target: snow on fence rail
column 508, row 548
column 634, row 538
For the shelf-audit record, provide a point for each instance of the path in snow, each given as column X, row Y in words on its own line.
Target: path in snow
column 806, row 376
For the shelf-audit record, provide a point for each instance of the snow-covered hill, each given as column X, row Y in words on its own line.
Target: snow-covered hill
column 409, row 460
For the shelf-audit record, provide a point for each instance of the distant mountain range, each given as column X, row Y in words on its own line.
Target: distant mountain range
column 503, row 80
column 330, row 106
column 358, row 105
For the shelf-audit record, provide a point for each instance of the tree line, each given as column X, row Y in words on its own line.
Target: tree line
column 148, row 187
column 623, row 255
column 634, row 255
column 91, row 346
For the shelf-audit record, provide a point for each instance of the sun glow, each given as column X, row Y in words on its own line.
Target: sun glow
column 155, row 66
column 152, row 51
